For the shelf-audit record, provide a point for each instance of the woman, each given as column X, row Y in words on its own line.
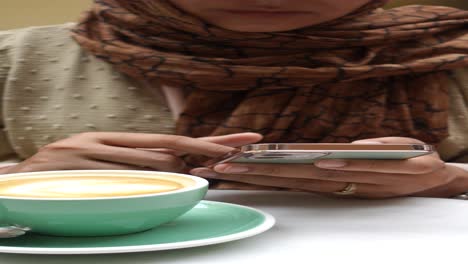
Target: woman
column 291, row 71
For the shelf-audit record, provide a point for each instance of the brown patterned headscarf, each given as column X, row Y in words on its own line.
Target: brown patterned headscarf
column 369, row 74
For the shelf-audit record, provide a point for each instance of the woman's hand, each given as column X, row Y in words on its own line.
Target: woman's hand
column 422, row 176
column 131, row 151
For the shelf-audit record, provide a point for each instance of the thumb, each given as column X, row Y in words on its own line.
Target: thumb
column 234, row 140
column 388, row 140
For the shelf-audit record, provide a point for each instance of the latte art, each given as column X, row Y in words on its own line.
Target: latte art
column 87, row 186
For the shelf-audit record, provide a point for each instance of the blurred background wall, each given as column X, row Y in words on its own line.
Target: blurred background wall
column 22, row 13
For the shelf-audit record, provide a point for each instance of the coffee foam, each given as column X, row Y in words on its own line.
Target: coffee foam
column 87, row 186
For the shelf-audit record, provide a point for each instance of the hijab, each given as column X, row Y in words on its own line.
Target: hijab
column 371, row 73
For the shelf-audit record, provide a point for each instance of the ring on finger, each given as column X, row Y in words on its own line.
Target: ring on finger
column 349, row 189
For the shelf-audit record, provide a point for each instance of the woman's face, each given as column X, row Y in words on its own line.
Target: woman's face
column 267, row 15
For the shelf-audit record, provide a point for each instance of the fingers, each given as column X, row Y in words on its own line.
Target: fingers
column 297, row 183
column 393, row 140
column 388, row 140
column 305, row 171
column 139, row 158
column 419, row 165
column 321, row 186
column 81, row 164
column 234, row 140
column 102, row 165
column 152, row 151
column 298, row 172
column 62, row 152
column 141, row 140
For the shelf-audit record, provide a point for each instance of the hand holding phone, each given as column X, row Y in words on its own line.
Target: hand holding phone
column 390, row 167
column 306, row 153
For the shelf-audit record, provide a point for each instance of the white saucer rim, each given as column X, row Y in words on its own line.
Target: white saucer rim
column 268, row 222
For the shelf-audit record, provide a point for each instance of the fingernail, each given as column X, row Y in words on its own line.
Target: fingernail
column 366, row 142
column 224, row 168
column 203, row 173
column 330, row 163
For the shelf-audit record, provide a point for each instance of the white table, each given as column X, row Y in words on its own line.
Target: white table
column 312, row 229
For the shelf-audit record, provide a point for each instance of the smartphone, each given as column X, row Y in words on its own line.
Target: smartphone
column 303, row 153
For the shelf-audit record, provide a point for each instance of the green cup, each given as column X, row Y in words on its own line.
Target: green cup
column 98, row 216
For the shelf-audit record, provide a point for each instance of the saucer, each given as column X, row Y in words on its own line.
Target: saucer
column 206, row 224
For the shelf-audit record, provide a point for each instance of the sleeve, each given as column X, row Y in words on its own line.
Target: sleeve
column 7, row 155
column 455, row 147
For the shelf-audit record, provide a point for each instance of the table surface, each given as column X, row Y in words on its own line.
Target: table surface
column 313, row 229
